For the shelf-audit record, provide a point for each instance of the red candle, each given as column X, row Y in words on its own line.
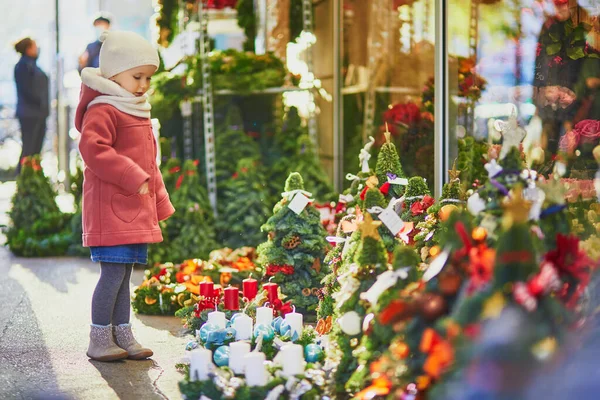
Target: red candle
column 250, row 286
column 206, row 289
column 232, row 298
column 271, row 289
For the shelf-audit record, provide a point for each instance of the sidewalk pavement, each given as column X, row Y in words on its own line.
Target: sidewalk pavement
column 44, row 328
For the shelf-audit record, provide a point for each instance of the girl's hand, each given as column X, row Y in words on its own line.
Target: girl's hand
column 144, row 188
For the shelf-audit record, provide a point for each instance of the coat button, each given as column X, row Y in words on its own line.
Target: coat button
column 155, row 222
column 151, row 194
column 149, row 137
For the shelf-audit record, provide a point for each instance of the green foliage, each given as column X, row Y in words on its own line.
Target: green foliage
column 232, row 144
column 471, row 161
column 167, row 21
column 37, row 228
column 388, row 161
column 371, row 253
column 247, row 21
column 416, row 189
column 306, row 256
column 295, row 152
column 190, row 232
column 513, row 160
column 515, row 260
column 243, row 208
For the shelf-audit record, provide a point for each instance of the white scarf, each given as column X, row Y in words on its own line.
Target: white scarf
column 114, row 94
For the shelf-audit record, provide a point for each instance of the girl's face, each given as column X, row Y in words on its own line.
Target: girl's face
column 135, row 80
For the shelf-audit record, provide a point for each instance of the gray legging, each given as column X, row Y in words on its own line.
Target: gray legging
column 110, row 302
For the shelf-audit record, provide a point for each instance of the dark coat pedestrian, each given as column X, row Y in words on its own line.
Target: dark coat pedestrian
column 33, row 105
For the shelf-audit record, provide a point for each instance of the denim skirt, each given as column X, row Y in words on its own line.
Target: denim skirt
column 123, row 254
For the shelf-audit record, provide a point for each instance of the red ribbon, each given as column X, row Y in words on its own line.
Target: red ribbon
column 284, row 269
column 385, row 188
column 419, row 207
column 281, row 307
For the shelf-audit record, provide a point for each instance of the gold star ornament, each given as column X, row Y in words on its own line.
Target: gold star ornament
column 387, row 133
column 454, row 174
column 368, row 228
column 516, row 209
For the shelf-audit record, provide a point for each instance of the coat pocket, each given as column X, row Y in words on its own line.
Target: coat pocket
column 126, row 208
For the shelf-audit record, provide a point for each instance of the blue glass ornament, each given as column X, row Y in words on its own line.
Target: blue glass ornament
column 206, row 329
column 191, row 345
column 312, row 353
column 221, row 356
column 285, row 328
column 265, row 330
column 276, row 323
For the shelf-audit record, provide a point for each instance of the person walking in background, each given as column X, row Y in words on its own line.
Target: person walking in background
column 32, row 98
column 91, row 55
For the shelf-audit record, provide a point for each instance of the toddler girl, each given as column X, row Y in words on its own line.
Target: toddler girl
column 124, row 196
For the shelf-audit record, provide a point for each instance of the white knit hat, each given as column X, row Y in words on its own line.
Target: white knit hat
column 125, row 50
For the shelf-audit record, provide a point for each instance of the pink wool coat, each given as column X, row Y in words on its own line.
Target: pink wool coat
column 119, row 151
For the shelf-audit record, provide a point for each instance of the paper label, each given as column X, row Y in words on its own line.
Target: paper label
column 436, row 266
column 398, row 181
column 298, row 203
column 392, row 221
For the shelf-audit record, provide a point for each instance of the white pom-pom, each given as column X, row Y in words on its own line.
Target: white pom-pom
column 103, row 36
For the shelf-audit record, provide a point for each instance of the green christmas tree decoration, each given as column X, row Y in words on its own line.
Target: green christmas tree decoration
column 293, row 254
column 416, row 190
column 371, row 260
column 471, row 161
column 37, row 227
column 407, row 257
column 190, row 232
column 293, row 150
column 388, row 162
column 243, row 208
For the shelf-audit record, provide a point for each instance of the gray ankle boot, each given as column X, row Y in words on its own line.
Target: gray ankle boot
column 125, row 340
column 102, row 346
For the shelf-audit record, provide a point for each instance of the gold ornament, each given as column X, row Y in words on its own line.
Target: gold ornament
column 479, row 234
column 368, row 228
column 454, row 174
column 150, row 300
column 354, row 342
column 434, row 251
column 399, row 349
column 493, row 306
column 545, row 348
column 372, row 182
column 306, row 292
column 516, row 209
column 387, row 134
column 596, row 153
column 445, row 211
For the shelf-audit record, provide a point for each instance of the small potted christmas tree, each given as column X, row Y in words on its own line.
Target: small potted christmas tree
column 38, row 228
column 293, row 254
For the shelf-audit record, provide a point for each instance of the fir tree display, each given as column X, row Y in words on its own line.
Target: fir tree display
column 389, row 166
column 334, row 260
column 370, row 260
column 417, row 200
column 243, row 208
column 293, row 151
column 471, row 160
column 37, row 227
column 293, row 255
column 231, row 145
column 190, row 232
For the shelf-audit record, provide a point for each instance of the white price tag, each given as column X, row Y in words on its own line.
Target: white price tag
column 391, row 220
column 398, row 181
column 298, row 203
column 436, row 265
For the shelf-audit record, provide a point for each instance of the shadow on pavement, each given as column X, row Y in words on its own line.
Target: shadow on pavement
column 130, row 379
column 25, row 370
column 58, row 278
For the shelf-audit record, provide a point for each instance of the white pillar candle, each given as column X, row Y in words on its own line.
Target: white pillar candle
column 292, row 359
column 294, row 319
column 243, row 327
column 200, row 364
column 237, row 351
column 217, row 318
column 264, row 315
column 254, row 369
